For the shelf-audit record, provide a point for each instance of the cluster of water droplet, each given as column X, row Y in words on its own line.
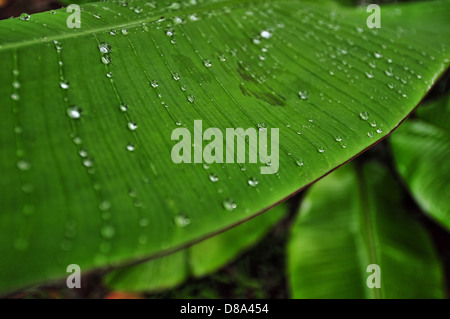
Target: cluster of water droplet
column 105, row 49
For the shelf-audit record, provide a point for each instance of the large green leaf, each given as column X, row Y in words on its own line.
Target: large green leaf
column 350, row 220
column 421, row 150
column 198, row 260
column 71, row 191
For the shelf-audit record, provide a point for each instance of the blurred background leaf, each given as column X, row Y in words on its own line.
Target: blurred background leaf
column 198, row 260
column 353, row 218
column 421, row 148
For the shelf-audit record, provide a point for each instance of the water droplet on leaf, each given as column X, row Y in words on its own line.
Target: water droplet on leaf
column 213, row 178
column 74, row 112
column 229, row 204
column 104, row 47
column 253, row 182
column 132, row 126
column 181, row 221
column 107, row 231
column 364, row 116
column 23, row 165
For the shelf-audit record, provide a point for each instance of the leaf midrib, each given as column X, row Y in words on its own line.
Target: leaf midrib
column 136, row 23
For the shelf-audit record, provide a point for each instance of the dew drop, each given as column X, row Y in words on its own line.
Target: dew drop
column 124, row 31
column 170, row 32
column 321, row 150
column 130, row 147
column 132, row 126
column 104, row 47
column 299, row 163
column 253, row 182
column 106, row 59
column 70, row 231
column 24, row 17
column 154, row 83
column 377, row 55
column 207, row 63
column 266, row 34
column 143, row 222
column 27, row 188
column 64, row 85
column 28, row 210
column 364, row 116
column 174, row 6
column 83, row 153
column 77, row 140
column 87, row 162
column 107, row 231
column 262, row 126
column 176, row 76
column 142, row 239
column 74, row 112
column 132, row 192
column 181, row 221
column 137, row 9
column 123, row 107
column 303, row 95
column 191, row 98
column 193, row 17
column 105, row 205
column 213, row 178
column 23, row 165
column 229, row 204
column 58, row 45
